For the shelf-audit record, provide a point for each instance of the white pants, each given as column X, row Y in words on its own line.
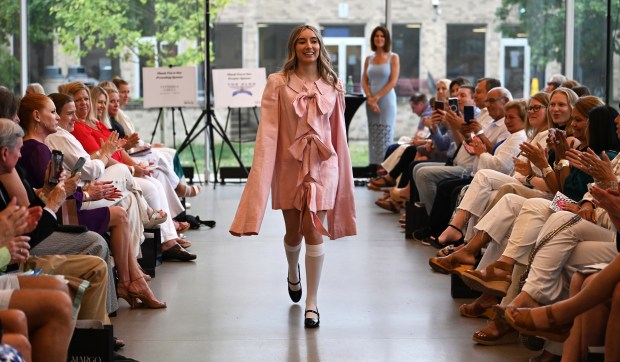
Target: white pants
column 546, row 281
column 132, row 201
column 164, row 173
column 394, row 157
column 153, row 193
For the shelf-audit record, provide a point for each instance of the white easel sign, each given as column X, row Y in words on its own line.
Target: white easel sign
column 170, row 87
column 238, row 88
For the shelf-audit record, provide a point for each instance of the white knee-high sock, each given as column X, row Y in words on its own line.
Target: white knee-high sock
column 292, row 257
column 315, row 254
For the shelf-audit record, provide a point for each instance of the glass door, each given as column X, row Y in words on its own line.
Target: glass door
column 347, row 56
column 515, row 67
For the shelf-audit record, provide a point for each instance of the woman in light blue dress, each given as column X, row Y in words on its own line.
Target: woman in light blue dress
column 380, row 75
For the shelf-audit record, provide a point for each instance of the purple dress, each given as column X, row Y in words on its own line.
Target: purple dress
column 34, row 161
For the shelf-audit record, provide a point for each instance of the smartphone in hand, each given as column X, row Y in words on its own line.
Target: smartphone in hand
column 468, row 113
column 439, row 105
column 55, row 168
column 454, row 104
column 78, row 166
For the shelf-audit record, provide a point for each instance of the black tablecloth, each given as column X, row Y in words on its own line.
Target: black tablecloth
column 353, row 102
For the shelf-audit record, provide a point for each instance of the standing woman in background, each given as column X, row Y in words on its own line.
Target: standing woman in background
column 381, row 71
column 302, row 155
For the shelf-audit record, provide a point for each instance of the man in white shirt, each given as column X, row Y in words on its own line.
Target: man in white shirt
column 427, row 178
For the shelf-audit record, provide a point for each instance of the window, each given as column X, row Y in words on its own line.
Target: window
column 271, row 38
column 406, row 43
column 342, row 31
column 465, row 52
column 227, row 46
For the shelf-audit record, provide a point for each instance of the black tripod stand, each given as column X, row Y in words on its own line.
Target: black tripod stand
column 211, row 123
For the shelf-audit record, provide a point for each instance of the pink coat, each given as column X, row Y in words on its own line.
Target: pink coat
column 302, row 155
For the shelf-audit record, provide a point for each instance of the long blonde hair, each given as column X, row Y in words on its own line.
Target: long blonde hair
column 324, row 64
column 95, row 93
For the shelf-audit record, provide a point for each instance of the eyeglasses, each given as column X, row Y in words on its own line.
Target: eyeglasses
column 535, row 108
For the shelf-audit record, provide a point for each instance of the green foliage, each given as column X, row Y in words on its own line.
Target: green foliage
column 126, row 23
column 117, row 26
column 544, row 23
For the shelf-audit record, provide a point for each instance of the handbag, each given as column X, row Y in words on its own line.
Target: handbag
column 550, row 235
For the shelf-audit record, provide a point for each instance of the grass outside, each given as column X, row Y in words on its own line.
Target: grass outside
column 358, row 150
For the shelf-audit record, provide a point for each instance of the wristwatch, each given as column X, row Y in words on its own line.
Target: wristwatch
column 561, row 164
column 529, row 178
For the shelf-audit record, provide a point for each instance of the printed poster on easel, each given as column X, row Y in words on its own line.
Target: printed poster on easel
column 238, row 88
column 170, row 87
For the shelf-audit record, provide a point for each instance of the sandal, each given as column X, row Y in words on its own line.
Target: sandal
column 490, row 282
column 448, row 250
column 155, row 218
column 524, row 323
column 434, row 241
column 504, row 335
column 396, row 196
column 181, row 226
column 476, row 310
column 382, row 182
column 389, row 205
column 448, row 266
column 184, row 243
column 118, row 343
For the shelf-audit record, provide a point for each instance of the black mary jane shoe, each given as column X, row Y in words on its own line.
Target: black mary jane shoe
column 295, row 294
column 312, row 322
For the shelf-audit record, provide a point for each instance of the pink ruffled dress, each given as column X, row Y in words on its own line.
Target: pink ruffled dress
column 302, row 156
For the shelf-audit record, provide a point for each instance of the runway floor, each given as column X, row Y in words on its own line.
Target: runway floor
column 379, row 300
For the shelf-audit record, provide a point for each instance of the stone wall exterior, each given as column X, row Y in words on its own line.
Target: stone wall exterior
column 370, row 13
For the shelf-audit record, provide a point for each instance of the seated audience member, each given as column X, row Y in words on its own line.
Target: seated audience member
column 102, row 167
column 158, row 192
column 486, row 182
column 570, row 84
column 455, row 84
column 499, row 161
column 123, row 119
column 43, row 239
column 554, row 82
column 534, row 221
column 428, row 177
column 554, row 321
column 582, row 91
column 156, row 156
column 35, row 88
column 39, row 118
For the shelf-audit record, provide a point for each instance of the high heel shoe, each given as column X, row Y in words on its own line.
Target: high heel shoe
column 524, row 323
column 144, row 297
column 295, row 294
column 312, row 322
column 123, row 293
